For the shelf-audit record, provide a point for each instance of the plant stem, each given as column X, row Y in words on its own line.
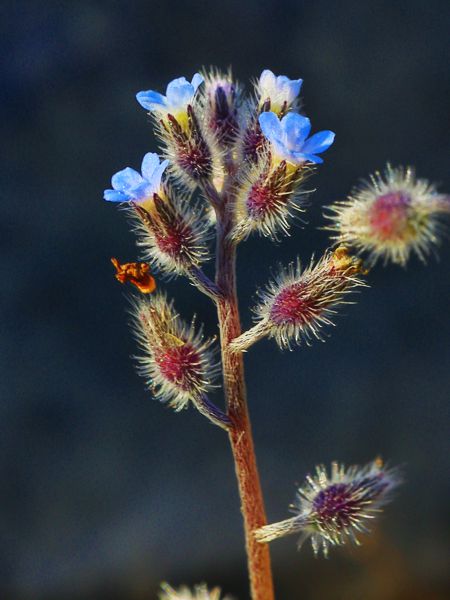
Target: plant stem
column 240, row 434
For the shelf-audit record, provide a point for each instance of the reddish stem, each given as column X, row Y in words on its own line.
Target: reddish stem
column 240, row 433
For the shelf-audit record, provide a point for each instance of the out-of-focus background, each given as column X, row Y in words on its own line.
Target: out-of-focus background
column 105, row 492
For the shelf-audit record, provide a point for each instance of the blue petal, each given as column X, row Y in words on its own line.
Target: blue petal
column 266, row 78
column 150, row 162
column 179, row 92
column 270, row 125
column 296, row 129
column 150, row 99
column 115, row 196
column 197, row 80
column 295, row 86
column 126, row 180
column 319, row 142
column 302, row 156
column 143, row 191
column 157, row 174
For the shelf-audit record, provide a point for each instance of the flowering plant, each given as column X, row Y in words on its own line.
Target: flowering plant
column 249, row 159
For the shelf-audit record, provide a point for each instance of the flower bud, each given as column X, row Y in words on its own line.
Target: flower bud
column 187, row 148
column 298, row 303
column 221, row 103
column 183, row 593
column 269, row 198
column 177, row 362
column 330, row 510
column 254, row 144
column 391, row 217
column 173, row 233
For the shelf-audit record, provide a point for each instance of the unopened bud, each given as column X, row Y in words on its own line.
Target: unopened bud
column 173, row 234
column 299, row 302
column 332, row 509
column 177, row 361
column 269, row 199
column 183, row 593
column 391, row 217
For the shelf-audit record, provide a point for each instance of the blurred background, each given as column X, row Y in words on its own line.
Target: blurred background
column 104, row 491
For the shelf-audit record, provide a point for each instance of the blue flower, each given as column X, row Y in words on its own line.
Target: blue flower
column 179, row 94
column 129, row 185
column 279, row 89
column 288, row 138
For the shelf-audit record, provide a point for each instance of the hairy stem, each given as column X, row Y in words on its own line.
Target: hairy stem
column 212, row 412
column 240, row 434
column 250, row 337
column 203, row 283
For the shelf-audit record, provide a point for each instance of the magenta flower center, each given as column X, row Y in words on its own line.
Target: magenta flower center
column 180, row 365
column 175, row 240
column 293, row 305
column 337, row 505
column 389, row 215
column 261, row 200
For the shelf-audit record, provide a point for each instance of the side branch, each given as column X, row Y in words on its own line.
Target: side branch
column 212, row 412
column 211, row 194
column 201, row 281
column 249, row 337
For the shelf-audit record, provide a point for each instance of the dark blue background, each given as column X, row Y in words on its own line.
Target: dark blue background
column 105, row 492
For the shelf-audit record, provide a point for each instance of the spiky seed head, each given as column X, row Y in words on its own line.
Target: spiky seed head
column 391, row 216
column 332, row 509
column 268, row 198
column 184, row 593
column 172, row 232
column 177, row 361
column 299, row 302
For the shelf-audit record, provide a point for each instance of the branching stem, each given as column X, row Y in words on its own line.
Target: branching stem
column 250, row 337
column 212, row 412
column 203, row 283
column 240, row 433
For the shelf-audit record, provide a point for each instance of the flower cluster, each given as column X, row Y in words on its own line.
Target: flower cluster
column 391, row 216
column 332, row 509
column 249, row 158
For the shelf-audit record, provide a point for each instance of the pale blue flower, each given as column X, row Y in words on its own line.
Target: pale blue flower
column 129, row 185
column 279, row 89
column 288, row 137
column 179, row 94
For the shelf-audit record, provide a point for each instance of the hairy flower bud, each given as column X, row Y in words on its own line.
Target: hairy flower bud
column 183, row 593
column 187, row 149
column 299, row 302
column 177, row 361
column 172, row 232
column 221, row 104
column 391, row 217
column 268, row 198
column 333, row 509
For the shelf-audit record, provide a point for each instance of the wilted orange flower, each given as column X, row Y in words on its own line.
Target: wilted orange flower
column 137, row 273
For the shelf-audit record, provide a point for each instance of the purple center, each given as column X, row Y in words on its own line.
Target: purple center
column 336, row 503
column 293, row 306
column 180, row 365
column 389, row 215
